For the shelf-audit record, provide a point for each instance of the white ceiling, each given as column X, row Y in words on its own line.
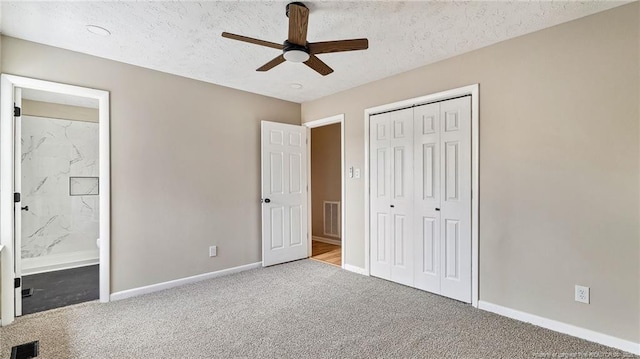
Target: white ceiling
column 62, row 99
column 183, row 38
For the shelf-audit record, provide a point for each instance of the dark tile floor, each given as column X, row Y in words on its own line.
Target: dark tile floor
column 60, row 288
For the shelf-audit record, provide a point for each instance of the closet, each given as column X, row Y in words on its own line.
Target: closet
column 420, row 200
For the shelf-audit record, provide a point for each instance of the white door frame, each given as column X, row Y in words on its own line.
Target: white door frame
column 17, row 212
column 7, row 85
column 474, row 91
column 319, row 123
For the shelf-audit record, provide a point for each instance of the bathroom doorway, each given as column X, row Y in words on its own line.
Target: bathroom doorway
column 55, row 166
column 60, row 198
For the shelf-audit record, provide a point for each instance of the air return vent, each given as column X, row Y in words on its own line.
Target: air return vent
column 25, row 351
column 332, row 219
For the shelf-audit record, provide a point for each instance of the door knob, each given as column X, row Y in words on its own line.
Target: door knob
column 267, row 200
column 392, row 206
column 25, row 208
column 437, row 209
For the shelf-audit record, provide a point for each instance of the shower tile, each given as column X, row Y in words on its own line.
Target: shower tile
column 53, row 152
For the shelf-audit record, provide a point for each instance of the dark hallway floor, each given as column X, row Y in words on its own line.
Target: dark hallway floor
column 60, row 288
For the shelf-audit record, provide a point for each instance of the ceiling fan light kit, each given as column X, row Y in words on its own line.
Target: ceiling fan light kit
column 295, row 53
column 296, row 48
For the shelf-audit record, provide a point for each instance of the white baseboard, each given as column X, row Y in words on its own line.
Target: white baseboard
column 333, row 241
column 561, row 327
column 179, row 282
column 354, row 269
column 55, row 262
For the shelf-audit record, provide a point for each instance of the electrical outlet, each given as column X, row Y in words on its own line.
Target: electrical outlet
column 582, row 294
column 357, row 171
column 213, row 251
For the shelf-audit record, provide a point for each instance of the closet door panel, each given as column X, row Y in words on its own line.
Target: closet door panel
column 455, row 192
column 380, row 188
column 401, row 204
column 427, row 197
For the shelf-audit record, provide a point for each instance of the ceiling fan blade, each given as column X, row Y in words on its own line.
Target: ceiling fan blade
column 271, row 64
column 298, row 22
column 326, row 47
column 252, row 40
column 317, row 64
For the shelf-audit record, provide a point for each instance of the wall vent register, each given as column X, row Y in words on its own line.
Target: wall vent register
column 331, row 218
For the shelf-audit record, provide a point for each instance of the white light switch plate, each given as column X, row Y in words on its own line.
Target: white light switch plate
column 213, row 251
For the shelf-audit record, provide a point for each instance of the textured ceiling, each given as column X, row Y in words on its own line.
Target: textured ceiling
column 183, row 38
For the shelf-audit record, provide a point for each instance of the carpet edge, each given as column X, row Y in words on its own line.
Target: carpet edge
column 134, row 292
column 561, row 327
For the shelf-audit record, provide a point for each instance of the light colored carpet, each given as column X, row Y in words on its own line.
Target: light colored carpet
column 303, row 309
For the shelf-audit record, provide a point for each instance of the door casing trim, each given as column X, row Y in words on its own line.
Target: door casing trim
column 7, row 271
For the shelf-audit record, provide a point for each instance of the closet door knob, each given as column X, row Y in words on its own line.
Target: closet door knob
column 267, row 200
column 392, row 206
column 437, row 209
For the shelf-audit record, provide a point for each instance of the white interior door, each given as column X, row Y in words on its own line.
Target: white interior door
column 17, row 187
column 427, row 196
column 284, row 193
column 455, row 198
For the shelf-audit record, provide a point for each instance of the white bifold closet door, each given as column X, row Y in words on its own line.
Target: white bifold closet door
column 442, row 204
column 420, row 209
column 392, row 196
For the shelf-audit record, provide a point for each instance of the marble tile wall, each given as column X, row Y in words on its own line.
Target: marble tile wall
column 58, row 223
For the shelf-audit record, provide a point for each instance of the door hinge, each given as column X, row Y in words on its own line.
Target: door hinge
column 17, row 282
column 17, row 111
column 16, row 197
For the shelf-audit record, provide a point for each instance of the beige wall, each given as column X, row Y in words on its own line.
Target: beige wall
column 185, row 163
column 55, row 110
column 559, row 166
column 325, row 172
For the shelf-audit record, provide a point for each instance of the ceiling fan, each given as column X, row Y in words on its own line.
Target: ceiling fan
column 296, row 48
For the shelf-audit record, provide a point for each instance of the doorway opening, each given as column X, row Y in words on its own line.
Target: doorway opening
column 55, row 196
column 60, row 198
column 326, row 190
